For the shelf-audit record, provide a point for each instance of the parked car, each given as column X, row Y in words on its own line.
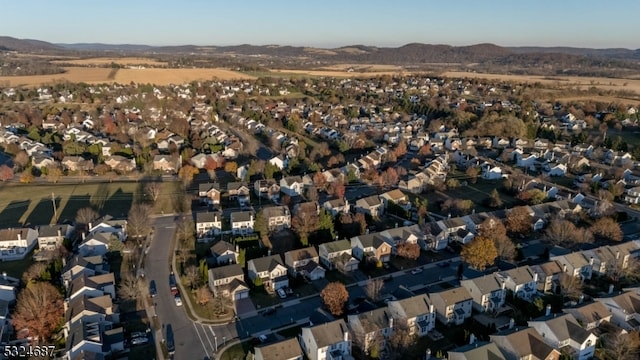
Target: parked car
column 281, row 293
column 416, row 271
column 178, row 300
column 444, row 264
column 269, row 311
column 263, row 338
column 153, row 290
column 139, row 341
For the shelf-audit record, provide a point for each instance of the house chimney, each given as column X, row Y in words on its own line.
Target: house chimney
column 427, row 355
column 580, row 299
column 591, row 261
column 19, row 236
column 512, row 323
column 90, row 225
column 269, row 252
column 472, row 338
column 617, row 254
column 564, row 268
column 504, row 285
column 611, row 289
column 391, row 322
column 548, row 311
column 59, row 232
column 346, row 336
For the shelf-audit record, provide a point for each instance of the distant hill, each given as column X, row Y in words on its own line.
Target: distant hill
column 611, row 53
column 105, row 47
column 8, row 43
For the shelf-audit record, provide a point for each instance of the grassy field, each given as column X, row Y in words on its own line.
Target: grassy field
column 91, row 75
column 32, row 204
column 16, row 268
column 101, row 61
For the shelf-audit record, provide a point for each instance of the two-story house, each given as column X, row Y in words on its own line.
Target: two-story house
column 292, row 185
column 208, row 225
column 304, row 262
column 242, row 222
column 523, row 281
column 269, row 271
column 396, row 197
column 225, row 253
column 15, row 244
column 548, row 276
column 574, row 264
column 90, row 308
column 337, row 255
column 525, row 343
column 624, row 308
column 92, row 286
column 563, row 332
column 277, row 217
column 370, row 247
column 240, row 192
column 50, row 237
column 228, row 281
column 371, row 205
column 416, row 313
column 590, row 315
column 210, row 192
column 453, row 306
column 107, row 224
column 288, row 349
column 328, row 341
column 488, row 292
column 337, row 206
column 476, row 350
column 371, row 329
column 267, row 189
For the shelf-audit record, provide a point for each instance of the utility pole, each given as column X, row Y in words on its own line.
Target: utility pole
column 55, row 209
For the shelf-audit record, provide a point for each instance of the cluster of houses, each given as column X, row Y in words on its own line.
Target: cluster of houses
column 574, row 331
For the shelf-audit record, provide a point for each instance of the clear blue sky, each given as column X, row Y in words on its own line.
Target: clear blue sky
column 328, row 23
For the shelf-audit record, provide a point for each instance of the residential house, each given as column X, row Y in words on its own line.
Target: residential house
column 307, row 208
column 99, row 338
column 92, row 286
column 337, row 255
column 328, row 341
column 277, row 217
column 371, row 205
column 292, row 185
column 632, row 195
column 15, row 244
column 575, row 264
column 304, row 262
column 228, row 281
column 337, row 206
column 165, row 163
column 99, row 308
column 121, row 164
column 517, row 344
column 280, row 161
column 564, row 333
column 453, row 306
column 396, row 197
column 590, row 315
column 490, row 172
column 107, row 224
column 371, row 329
column 523, row 281
column 548, row 276
column 225, row 253
column 240, row 192
column 370, row 247
column 242, row 222
column 288, row 349
column 211, row 192
column 208, row 225
column 413, row 185
column 76, row 163
column 602, row 260
column 267, row 189
column 78, row 265
column 624, row 308
column 488, row 292
column 481, row 350
column 270, row 270
column 95, row 244
column 50, row 237
column 416, row 313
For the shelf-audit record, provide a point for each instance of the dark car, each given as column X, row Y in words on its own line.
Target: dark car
column 269, row 311
column 153, row 290
column 444, row 264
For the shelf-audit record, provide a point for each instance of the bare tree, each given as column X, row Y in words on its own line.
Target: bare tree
column 621, row 346
column 192, row 273
column 518, row 220
column 153, row 190
column 86, row 215
column 374, row 289
column 607, row 228
column 401, row 340
column 129, row 287
column 54, row 173
column 138, row 221
column 570, row 286
column 34, row 272
column 305, row 223
column 565, row 233
column 203, row 295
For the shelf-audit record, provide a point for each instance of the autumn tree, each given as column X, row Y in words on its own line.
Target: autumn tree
column 565, row 233
column 54, row 173
column 138, row 221
column 192, row 274
column 409, row 251
column 152, row 189
column 260, row 226
column 362, row 221
column 479, row 253
column 494, row 200
column 304, row 223
column 607, row 228
column 620, row 346
column 389, row 177
column 6, row 173
column 472, row 174
column 319, row 181
column 210, row 163
column 570, row 286
column 533, row 196
column 21, row 161
column 519, row 221
column 401, row 340
column 401, row 149
column 334, row 297
column 34, row 272
column 231, row 167
column 38, row 313
column 494, row 229
column 187, row 173
column 203, row 295
column 26, row 177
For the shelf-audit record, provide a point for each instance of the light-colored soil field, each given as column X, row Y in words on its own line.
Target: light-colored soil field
column 106, row 61
column 597, row 98
column 364, row 67
column 330, row 73
column 582, row 83
column 125, row 76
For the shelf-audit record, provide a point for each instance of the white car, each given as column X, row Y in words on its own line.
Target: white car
column 282, row 293
column 178, row 300
column 416, row 271
column 139, row 341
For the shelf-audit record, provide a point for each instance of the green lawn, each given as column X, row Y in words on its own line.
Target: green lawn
column 16, row 268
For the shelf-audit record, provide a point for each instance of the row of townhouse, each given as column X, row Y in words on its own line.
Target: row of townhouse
column 92, row 321
column 17, row 243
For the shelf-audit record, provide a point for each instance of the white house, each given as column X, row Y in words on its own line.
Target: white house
column 488, row 292
column 624, row 308
column 270, row 271
column 417, row 313
column 208, row 224
column 15, row 244
column 292, row 185
column 453, row 306
column 327, row 341
column 242, row 222
column 523, row 281
column 563, row 332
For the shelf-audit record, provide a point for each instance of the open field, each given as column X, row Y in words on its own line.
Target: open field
column 363, row 67
column 598, row 98
column 582, row 83
column 21, row 204
column 124, row 76
column 336, row 73
column 109, row 60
